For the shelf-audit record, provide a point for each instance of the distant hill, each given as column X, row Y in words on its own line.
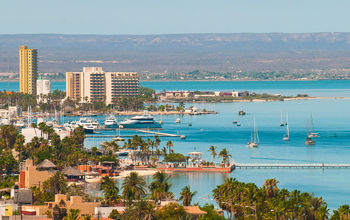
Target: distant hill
column 183, row 52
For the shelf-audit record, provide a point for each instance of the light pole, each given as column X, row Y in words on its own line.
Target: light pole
column 17, row 199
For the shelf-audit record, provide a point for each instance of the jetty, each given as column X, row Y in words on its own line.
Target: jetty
column 306, row 165
column 161, row 134
column 114, row 136
column 148, row 134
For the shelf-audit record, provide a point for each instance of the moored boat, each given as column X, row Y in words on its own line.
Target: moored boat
column 254, row 138
column 111, row 122
column 142, row 121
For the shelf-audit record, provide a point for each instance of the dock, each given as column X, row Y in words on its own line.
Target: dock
column 114, row 136
column 306, row 165
column 161, row 134
column 148, row 134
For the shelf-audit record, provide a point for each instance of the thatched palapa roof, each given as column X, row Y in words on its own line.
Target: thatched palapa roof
column 70, row 171
column 46, row 164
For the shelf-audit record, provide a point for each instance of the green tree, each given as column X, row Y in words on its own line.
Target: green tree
column 134, row 187
column 56, row 184
column 160, row 187
column 211, row 213
column 213, row 153
column 270, row 187
column 72, row 215
column 186, row 195
column 110, row 189
column 172, row 211
column 169, row 144
column 225, row 156
column 140, row 210
column 115, row 215
column 175, row 157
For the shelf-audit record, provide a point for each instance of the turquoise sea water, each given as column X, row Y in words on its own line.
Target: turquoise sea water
column 314, row 88
column 330, row 116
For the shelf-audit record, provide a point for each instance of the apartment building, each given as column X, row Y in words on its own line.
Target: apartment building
column 28, row 69
column 43, row 86
column 93, row 84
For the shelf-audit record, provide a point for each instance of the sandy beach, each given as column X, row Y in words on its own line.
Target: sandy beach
column 125, row 173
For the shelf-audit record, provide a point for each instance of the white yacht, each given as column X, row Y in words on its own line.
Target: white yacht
column 111, row 122
column 178, row 120
column 142, row 121
column 88, row 125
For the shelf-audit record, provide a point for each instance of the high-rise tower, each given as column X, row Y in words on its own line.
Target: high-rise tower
column 28, row 69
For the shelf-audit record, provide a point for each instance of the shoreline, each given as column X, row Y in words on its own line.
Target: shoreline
column 125, row 173
column 254, row 100
column 133, row 113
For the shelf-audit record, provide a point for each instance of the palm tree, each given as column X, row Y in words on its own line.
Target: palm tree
column 110, row 190
column 213, row 152
column 72, row 215
column 271, row 188
column 134, row 187
column 108, row 146
column 34, row 125
column 140, row 210
column 225, row 156
column 160, row 187
column 169, row 144
column 42, row 127
column 56, row 184
column 186, row 195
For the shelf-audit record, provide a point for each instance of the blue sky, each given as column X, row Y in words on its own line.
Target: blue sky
column 173, row 16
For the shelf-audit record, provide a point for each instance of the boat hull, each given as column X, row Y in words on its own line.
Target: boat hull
column 88, row 131
column 112, row 126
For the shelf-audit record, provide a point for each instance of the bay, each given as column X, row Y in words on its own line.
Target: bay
column 331, row 121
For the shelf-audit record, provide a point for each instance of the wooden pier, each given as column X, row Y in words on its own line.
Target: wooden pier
column 306, row 165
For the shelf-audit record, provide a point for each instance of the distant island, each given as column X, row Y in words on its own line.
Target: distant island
column 222, row 96
column 197, row 75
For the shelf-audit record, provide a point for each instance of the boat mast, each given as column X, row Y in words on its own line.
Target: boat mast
column 251, row 136
column 311, row 124
column 287, row 126
column 256, row 133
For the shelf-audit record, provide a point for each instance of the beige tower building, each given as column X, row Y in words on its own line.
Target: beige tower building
column 28, row 70
column 93, row 84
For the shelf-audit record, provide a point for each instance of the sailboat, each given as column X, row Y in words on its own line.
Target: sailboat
column 234, row 120
column 309, row 140
column 161, row 118
column 281, row 124
column 313, row 134
column 286, row 136
column 254, row 137
column 190, row 123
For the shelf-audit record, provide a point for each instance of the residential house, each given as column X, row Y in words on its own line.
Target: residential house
column 74, row 202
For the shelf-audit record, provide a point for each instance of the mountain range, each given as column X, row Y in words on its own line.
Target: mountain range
column 246, row 52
